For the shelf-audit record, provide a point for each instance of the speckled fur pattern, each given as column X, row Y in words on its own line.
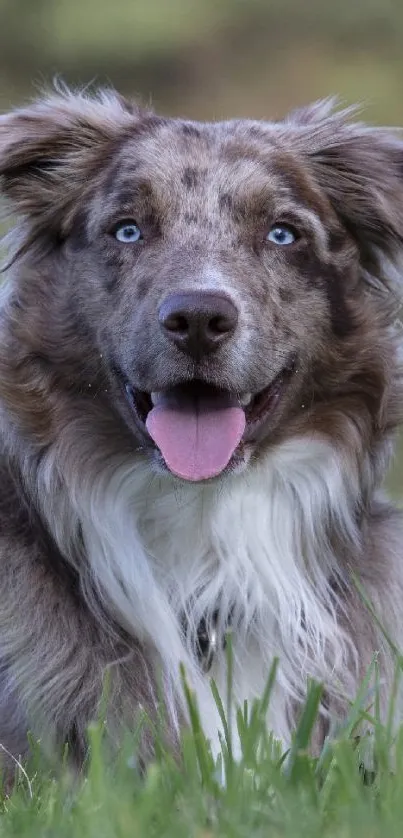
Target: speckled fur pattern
column 104, row 555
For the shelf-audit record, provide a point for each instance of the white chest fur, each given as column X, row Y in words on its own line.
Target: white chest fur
column 255, row 545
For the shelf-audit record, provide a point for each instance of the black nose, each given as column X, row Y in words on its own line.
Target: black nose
column 198, row 322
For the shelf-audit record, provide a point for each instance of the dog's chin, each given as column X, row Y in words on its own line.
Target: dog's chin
column 238, row 421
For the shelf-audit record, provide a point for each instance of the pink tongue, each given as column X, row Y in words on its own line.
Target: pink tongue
column 196, row 438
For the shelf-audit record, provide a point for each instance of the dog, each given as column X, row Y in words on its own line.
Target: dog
column 200, row 387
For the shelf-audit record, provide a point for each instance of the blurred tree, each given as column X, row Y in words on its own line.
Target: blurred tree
column 207, row 51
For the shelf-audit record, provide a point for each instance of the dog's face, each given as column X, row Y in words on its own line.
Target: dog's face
column 205, row 268
column 206, row 281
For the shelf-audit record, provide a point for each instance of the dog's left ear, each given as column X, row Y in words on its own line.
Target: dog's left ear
column 52, row 150
column 361, row 170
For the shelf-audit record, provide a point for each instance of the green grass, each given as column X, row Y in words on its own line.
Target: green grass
column 265, row 793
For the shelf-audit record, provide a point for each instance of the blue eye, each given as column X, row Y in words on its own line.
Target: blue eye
column 281, row 234
column 127, row 232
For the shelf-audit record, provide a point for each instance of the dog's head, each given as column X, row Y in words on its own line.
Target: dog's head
column 216, row 286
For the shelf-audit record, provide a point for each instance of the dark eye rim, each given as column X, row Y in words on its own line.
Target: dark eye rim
column 290, row 227
column 123, row 222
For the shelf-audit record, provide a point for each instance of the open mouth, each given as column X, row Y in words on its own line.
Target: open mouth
column 199, row 428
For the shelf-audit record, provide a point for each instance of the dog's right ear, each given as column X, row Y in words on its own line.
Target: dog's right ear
column 360, row 168
column 52, row 149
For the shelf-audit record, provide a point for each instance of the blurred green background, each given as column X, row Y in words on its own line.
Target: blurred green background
column 212, row 58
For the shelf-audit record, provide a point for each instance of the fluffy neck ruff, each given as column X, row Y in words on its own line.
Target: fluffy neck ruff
column 256, row 547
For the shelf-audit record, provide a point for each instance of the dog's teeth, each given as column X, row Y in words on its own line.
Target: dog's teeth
column 245, row 399
column 156, row 397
